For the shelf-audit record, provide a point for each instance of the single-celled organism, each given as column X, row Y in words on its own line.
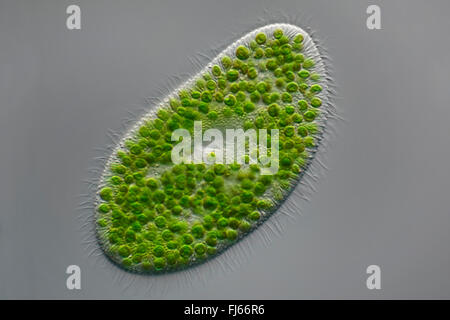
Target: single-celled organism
column 154, row 215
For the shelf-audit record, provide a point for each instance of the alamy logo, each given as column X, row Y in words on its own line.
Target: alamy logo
column 239, row 146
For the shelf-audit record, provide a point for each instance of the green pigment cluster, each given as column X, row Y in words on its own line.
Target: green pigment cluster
column 154, row 216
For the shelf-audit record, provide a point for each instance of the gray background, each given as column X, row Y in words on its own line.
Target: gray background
column 385, row 199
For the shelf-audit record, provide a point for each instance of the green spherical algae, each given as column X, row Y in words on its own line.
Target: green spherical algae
column 154, row 216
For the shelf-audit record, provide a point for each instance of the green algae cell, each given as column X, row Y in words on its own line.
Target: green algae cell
column 154, row 216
